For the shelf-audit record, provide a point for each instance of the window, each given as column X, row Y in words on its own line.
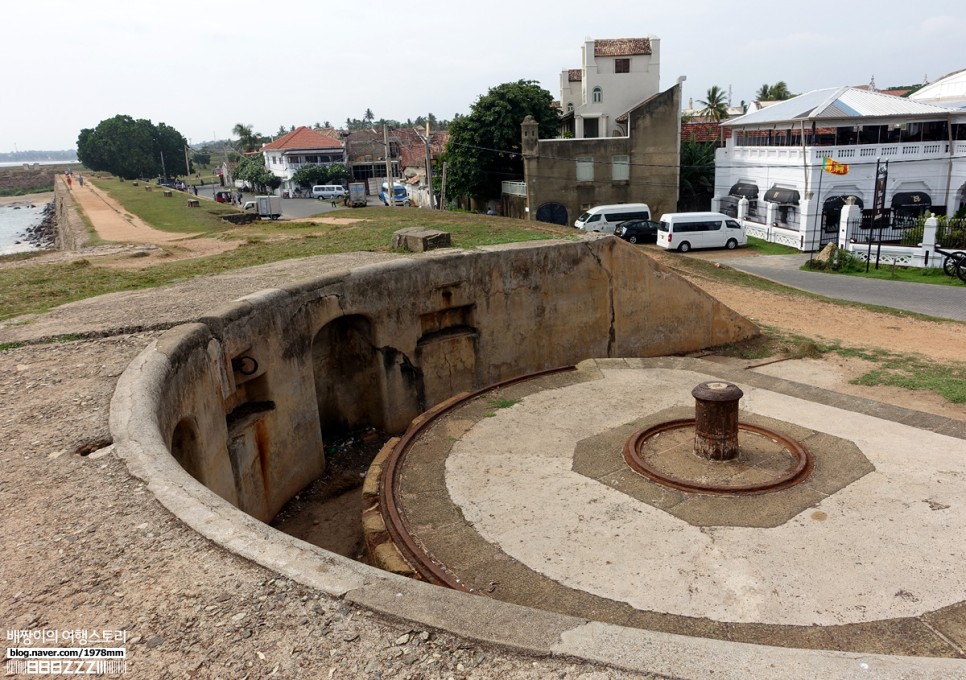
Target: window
column 570, row 107
column 622, row 66
column 620, row 168
column 585, row 169
column 598, row 95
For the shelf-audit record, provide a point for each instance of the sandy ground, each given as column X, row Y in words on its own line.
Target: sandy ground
column 86, row 546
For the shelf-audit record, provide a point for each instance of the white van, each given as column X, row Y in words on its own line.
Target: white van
column 327, row 191
column 604, row 218
column 684, row 231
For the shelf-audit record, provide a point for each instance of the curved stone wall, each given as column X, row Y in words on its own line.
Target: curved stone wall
column 245, row 396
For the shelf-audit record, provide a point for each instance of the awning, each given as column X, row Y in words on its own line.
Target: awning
column 744, row 190
column 911, row 199
column 782, row 196
column 839, row 201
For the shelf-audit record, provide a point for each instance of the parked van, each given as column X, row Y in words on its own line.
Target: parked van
column 604, row 218
column 684, row 231
column 327, row 191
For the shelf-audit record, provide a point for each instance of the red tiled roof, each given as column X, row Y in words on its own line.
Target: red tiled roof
column 702, row 132
column 575, row 75
column 303, row 138
column 622, row 47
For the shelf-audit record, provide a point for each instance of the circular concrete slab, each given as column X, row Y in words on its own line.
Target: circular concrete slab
column 524, row 496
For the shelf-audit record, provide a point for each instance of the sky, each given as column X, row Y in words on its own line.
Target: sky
column 202, row 67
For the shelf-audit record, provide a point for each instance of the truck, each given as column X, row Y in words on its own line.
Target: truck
column 399, row 194
column 357, row 195
column 265, row 206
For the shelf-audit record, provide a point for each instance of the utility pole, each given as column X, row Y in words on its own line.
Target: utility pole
column 164, row 173
column 391, row 198
column 429, row 165
column 187, row 167
column 442, row 197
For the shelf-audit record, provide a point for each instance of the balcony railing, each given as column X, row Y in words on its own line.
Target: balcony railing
column 781, row 155
column 515, row 188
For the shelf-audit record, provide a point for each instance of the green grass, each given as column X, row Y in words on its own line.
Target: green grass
column 34, row 289
column 893, row 272
column 166, row 214
column 947, row 379
column 40, row 189
column 766, row 248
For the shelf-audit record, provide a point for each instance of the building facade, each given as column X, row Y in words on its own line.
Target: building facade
column 565, row 177
column 787, row 170
column 303, row 146
column 614, row 76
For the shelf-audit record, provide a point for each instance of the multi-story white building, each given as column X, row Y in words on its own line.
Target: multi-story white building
column 799, row 161
column 615, row 76
column 302, row 146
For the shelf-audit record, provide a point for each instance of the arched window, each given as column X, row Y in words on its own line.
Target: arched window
column 598, row 95
column 570, row 107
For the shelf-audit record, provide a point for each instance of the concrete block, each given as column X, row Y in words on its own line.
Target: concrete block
column 420, row 239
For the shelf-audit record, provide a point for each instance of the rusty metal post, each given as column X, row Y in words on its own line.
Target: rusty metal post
column 716, row 420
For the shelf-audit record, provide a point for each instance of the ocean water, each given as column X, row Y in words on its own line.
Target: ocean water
column 14, row 223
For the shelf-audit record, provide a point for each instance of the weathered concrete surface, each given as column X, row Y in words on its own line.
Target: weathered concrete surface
column 420, row 239
column 381, row 344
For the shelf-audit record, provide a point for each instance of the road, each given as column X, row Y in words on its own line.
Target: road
column 292, row 208
column 945, row 302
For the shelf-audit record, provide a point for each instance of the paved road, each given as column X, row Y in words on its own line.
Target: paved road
column 291, row 207
column 947, row 302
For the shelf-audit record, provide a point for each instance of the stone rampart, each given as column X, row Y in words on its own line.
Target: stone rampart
column 245, row 398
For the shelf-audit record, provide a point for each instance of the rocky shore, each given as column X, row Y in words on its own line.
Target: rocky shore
column 43, row 236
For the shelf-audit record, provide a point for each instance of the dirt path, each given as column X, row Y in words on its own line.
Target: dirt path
column 113, row 223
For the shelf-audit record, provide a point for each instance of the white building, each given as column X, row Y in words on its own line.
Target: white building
column 799, row 161
column 615, row 76
column 302, row 146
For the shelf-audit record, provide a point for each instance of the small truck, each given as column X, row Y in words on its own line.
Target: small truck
column 265, row 206
column 357, row 195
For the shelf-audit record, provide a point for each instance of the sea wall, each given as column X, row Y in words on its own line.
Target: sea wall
column 71, row 233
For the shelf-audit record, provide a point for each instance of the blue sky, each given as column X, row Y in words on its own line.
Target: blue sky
column 202, row 67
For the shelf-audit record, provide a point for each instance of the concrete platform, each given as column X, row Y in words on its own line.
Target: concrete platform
column 524, row 496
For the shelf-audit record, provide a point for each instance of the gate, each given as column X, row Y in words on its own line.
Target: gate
column 554, row 213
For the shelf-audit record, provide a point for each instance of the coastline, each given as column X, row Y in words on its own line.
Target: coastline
column 40, row 236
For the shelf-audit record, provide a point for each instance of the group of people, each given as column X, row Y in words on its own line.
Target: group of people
column 69, row 176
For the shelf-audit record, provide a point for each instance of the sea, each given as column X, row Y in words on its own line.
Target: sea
column 17, row 217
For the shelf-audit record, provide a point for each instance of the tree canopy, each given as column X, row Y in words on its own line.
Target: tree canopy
column 773, row 93
column 484, row 146
column 132, row 148
column 252, row 169
column 248, row 140
column 715, row 105
column 312, row 174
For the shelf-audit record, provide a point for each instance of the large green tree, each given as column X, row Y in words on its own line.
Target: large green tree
column 312, row 174
column 132, row 148
column 484, row 147
column 252, row 169
column 696, row 180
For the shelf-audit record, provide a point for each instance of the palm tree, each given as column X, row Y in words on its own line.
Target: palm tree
column 369, row 116
column 247, row 140
column 779, row 91
column 773, row 93
column 716, row 105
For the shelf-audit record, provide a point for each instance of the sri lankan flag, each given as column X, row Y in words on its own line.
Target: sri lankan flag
column 834, row 167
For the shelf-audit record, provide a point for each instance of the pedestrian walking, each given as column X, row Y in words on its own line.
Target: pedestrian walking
column 69, row 183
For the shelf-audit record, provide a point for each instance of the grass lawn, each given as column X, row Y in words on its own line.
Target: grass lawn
column 36, row 288
column 766, row 248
